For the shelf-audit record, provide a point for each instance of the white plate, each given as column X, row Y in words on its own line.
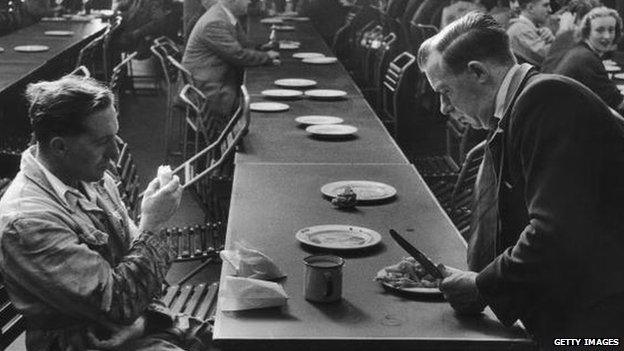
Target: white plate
column 318, row 120
column 612, row 68
column 288, row 46
column 365, row 190
column 305, row 55
column 320, row 60
column 619, row 75
column 331, row 130
column 59, row 33
column 284, row 28
column 295, row 83
column 271, row 20
column 53, row 19
column 338, row 237
column 268, row 107
column 414, row 292
column 609, row 63
column 1, row 49
column 281, row 93
column 325, row 93
column 31, row 48
column 620, row 87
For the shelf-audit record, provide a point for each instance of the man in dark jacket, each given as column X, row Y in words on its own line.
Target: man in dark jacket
column 549, row 191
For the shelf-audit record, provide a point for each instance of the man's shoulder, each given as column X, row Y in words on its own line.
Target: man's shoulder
column 518, row 26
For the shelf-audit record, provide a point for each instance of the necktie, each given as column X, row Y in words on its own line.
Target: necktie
column 484, row 225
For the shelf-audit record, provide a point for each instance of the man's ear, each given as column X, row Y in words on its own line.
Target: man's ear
column 479, row 70
column 58, row 146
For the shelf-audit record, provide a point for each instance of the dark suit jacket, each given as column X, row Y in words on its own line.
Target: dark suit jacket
column 560, row 152
column 582, row 64
column 216, row 54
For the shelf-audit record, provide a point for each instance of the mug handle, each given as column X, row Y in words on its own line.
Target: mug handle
column 329, row 285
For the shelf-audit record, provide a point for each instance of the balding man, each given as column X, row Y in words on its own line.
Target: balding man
column 547, row 240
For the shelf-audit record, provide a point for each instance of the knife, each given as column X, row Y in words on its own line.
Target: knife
column 418, row 256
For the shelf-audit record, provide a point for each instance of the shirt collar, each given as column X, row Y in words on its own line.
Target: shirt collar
column 503, row 92
column 232, row 18
column 67, row 194
column 526, row 20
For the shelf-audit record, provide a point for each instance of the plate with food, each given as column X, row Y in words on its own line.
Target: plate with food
column 320, row 60
column 409, row 278
column 317, row 119
column 31, row 48
column 338, row 237
column 268, row 107
column 281, row 93
column 305, row 55
column 365, row 190
column 59, row 33
column 295, row 83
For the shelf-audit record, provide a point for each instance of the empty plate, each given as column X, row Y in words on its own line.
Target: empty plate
column 281, row 93
column 271, row 20
column 612, row 68
column 619, row 75
column 284, row 28
column 31, row 48
column 305, row 55
column 268, row 107
column 338, row 237
column 314, row 120
column 365, row 190
column 295, row 83
column 320, row 60
column 325, row 93
column 331, row 130
column 59, row 33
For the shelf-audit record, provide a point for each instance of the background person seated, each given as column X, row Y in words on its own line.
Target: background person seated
column 600, row 28
column 459, row 8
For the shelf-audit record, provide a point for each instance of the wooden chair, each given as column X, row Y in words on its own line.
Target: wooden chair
column 12, row 323
column 397, row 91
column 119, row 79
column 111, row 56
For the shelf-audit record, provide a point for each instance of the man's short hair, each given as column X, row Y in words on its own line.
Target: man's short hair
column 475, row 36
column 597, row 13
column 58, row 108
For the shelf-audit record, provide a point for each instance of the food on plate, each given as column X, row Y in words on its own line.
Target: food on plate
column 407, row 274
column 164, row 175
column 345, row 199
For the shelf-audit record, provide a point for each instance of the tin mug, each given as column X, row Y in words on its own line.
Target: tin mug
column 323, row 278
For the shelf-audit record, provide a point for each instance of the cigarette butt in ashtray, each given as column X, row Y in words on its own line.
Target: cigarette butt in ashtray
column 164, row 175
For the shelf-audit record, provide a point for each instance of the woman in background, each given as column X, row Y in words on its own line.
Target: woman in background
column 600, row 29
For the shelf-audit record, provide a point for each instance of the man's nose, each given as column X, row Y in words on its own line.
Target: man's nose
column 445, row 107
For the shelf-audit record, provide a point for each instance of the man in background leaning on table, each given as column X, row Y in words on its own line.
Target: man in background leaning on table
column 548, row 220
column 218, row 50
column 73, row 262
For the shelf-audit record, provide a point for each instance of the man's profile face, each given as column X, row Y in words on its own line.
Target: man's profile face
column 540, row 10
column 89, row 154
column 458, row 97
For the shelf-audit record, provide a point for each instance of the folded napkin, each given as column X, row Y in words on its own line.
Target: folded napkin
column 238, row 294
column 250, row 263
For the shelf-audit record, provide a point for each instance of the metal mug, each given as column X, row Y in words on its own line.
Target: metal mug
column 323, row 278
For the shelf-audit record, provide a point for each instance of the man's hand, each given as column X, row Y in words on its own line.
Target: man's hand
column 159, row 203
column 274, row 56
column 460, row 290
column 545, row 34
column 566, row 22
column 120, row 334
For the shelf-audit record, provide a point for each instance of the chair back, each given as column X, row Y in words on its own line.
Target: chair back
column 383, row 55
column 111, row 55
column 396, row 86
column 119, row 77
column 91, row 55
column 215, row 155
column 81, row 71
column 12, row 323
column 162, row 48
column 127, row 178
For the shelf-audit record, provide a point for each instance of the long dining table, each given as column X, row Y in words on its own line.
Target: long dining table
column 279, row 170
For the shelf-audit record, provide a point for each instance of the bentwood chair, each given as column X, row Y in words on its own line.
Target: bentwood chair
column 110, row 54
column 81, row 71
column 397, row 92
column 12, row 323
column 119, row 79
column 91, row 55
